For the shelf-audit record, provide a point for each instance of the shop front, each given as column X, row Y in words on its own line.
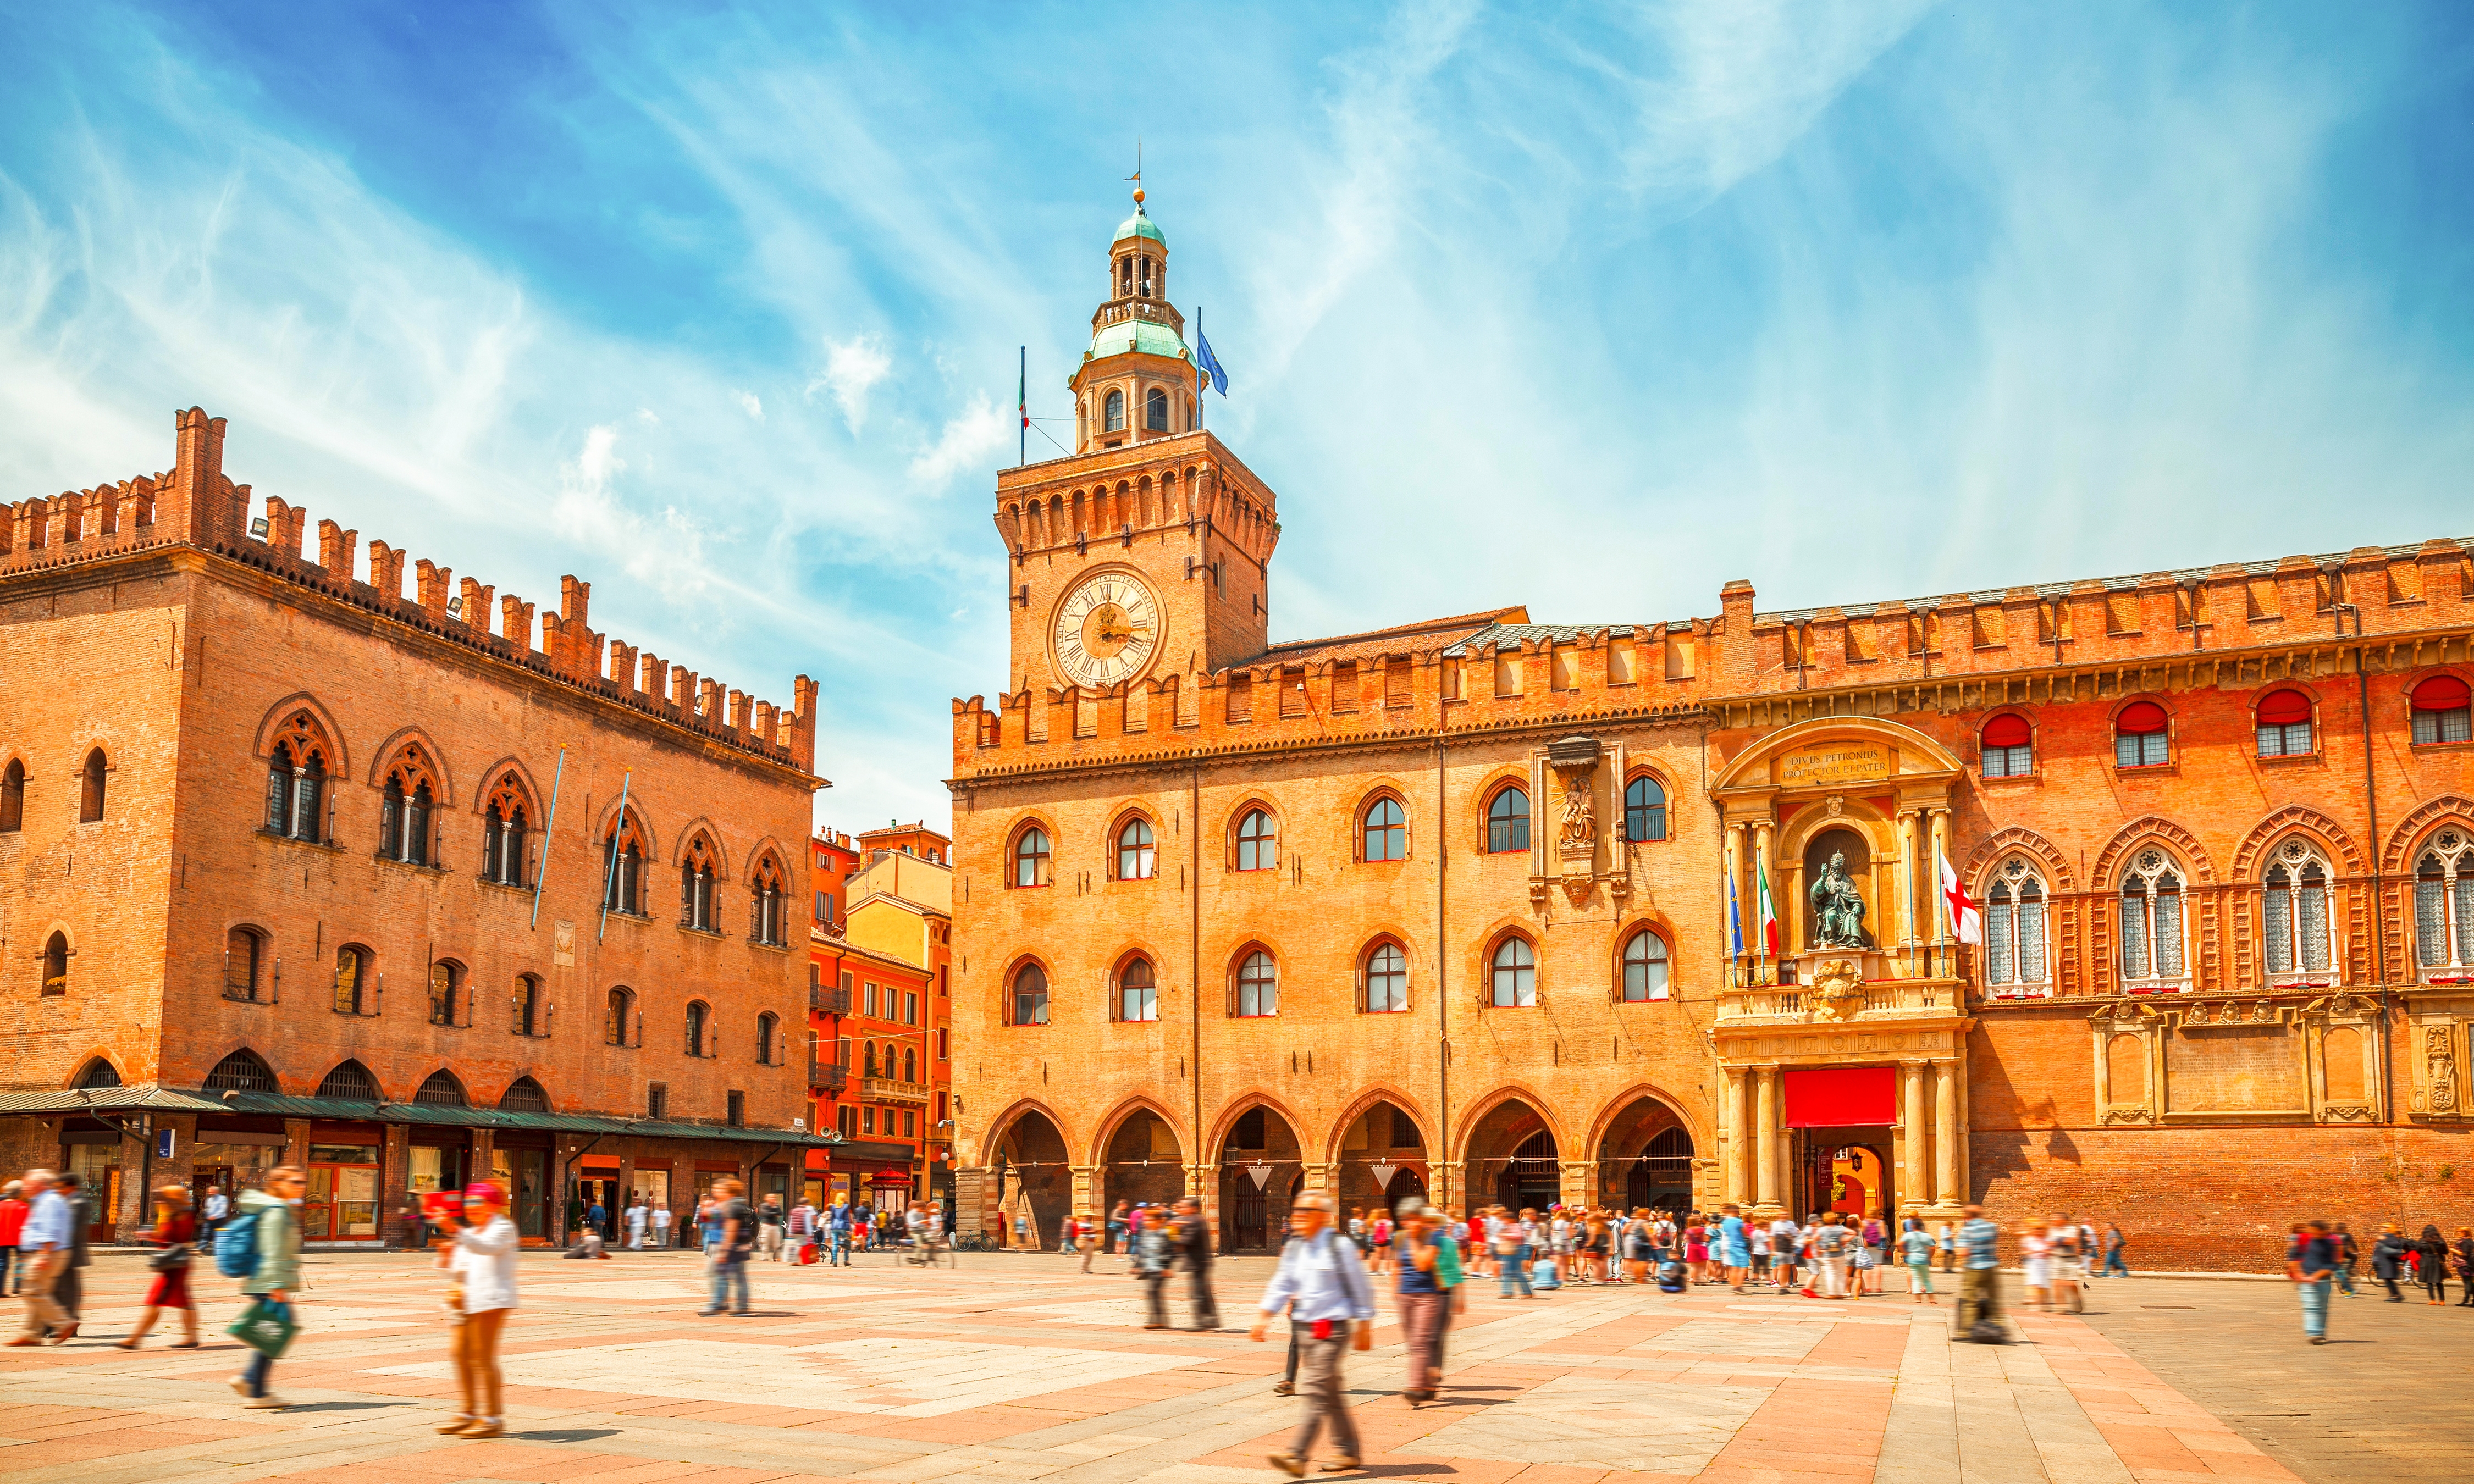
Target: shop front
column 341, row 1203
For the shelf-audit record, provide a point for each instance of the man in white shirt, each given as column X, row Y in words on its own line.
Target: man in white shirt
column 216, row 1209
column 44, row 1248
column 639, row 1217
column 1330, row 1304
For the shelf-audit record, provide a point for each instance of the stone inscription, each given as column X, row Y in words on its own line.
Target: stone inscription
column 2235, row 1068
column 1828, row 766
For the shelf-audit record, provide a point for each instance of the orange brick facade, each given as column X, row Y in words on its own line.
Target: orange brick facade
column 2217, row 820
column 324, row 808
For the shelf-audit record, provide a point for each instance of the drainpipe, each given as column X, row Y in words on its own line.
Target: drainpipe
column 1194, row 984
column 1443, row 834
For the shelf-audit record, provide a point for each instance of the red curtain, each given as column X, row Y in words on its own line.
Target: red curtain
column 2139, row 717
column 2282, row 707
column 2009, row 730
column 1830, row 1097
column 2439, row 693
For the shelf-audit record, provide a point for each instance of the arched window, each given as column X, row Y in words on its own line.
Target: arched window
column 622, row 867
column 56, row 963
column 1030, row 998
column 351, row 980
column 524, row 1095
column 2014, row 931
column 1137, row 991
column 2285, row 723
column 2444, row 711
column 90, row 787
column 502, row 835
column 699, row 1028
column 1512, row 973
column 2138, row 736
column 243, row 949
column 2152, row 923
column 295, row 781
column 2443, row 905
column 1258, row 985
column 696, row 886
column 350, row 1082
column 242, row 1072
column 1258, row 843
column 1507, row 821
column 1387, row 980
column 528, row 1012
column 12, row 798
column 2009, row 747
column 96, row 1074
column 1030, row 857
column 1644, row 967
column 1113, row 419
column 403, row 816
column 867, row 1059
column 1156, row 410
column 1386, row 830
column 441, row 1089
column 769, row 1031
column 1136, row 858
column 443, row 984
column 618, row 1015
column 767, row 908
column 910, row 1064
column 1645, row 809
column 2295, row 914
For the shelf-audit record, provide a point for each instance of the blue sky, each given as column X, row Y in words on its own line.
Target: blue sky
column 1586, row 307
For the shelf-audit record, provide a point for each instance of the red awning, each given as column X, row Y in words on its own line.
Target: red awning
column 1830, row 1097
column 2284, row 707
column 2009, row 730
column 2441, row 693
column 2139, row 717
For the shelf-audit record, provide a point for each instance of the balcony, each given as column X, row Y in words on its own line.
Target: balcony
column 829, row 999
column 828, row 1076
column 893, row 1090
column 1796, row 1002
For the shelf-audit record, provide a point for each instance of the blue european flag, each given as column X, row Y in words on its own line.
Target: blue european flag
column 1208, row 364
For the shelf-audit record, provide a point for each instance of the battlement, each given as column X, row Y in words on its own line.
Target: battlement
column 194, row 505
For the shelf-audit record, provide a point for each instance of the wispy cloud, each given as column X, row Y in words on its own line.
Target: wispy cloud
column 853, row 368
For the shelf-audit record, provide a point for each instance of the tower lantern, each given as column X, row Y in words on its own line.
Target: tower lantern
column 1136, row 381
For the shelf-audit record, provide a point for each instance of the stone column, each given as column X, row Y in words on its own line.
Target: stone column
column 1734, row 1139
column 1318, row 1177
column 1915, row 1185
column 1580, row 1182
column 1946, row 1187
column 1086, row 1190
column 1766, row 1113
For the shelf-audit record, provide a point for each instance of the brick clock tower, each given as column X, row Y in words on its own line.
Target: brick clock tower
column 1139, row 561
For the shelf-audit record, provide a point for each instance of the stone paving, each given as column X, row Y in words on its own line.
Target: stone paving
column 1018, row 1367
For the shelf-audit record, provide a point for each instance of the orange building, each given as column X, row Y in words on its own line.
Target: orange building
column 1474, row 906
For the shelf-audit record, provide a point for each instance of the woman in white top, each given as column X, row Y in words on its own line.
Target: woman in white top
column 483, row 1259
column 2039, row 1254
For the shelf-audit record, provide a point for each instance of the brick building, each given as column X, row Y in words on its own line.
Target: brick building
column 1456, row 906
column 293, row 866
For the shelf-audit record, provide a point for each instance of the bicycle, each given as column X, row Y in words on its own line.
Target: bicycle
column 975, row 1241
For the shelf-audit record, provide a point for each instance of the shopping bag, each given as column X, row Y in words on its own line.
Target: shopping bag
column 265, row 1326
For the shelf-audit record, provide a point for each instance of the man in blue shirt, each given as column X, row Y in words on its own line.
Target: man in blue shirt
column 44, row 1247
column 2310, row 1263
column 838, row 1222
column 1323, row 1286
column 1980, row 1293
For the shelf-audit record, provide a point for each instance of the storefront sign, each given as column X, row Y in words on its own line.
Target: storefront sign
column 1827, row 767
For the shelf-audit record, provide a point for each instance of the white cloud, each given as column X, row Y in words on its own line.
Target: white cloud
column 969, row 440
column 852, row 367
column 749, row 402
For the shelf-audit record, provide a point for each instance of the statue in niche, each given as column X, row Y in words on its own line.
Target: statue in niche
column 1580, row 826
column 1838, row 907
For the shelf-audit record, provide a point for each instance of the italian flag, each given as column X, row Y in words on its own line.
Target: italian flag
column 1022, row 394
column 1765, row 913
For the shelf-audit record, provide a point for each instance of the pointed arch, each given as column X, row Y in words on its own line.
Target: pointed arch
column 1515, row 1092
column 1374, row 1096
column 2411, row 830
column 433, row 759
column 350, row 1081
column 281, row 717
column 242, row 1070
column 509, row 771
column 2017, row 840
column 1003, row 1124
column 2153, row 827
column 1238, row 1107
column 765, row 845
column 702, row 825
column 524, row 1094
column 1115, row 1120
column 1615, row 1107
column 2286, row 821
column 95, row 1073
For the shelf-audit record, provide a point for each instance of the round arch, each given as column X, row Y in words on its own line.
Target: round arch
column 1745, row 770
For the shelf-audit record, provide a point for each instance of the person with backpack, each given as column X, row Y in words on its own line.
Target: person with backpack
column 734, row 1238
column 262, row 1247
column 482, row 1257
column 1322, row 1286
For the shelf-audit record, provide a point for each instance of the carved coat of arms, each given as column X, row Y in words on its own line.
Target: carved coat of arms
column 1837, row 988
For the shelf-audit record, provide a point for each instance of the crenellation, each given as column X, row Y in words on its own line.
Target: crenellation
column 387, row 570
column 285, row 527
column 623, row 667
column 515, row 624
column 653, row 678
column 335, row 550
column 431, row 585
column 477, row 605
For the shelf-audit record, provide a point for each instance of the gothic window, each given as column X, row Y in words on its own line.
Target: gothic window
column 1644, row 967
column 699, row 1028
column 351, row 980
column 2444, row 711
column 1512, row 973
column 769, row 1031
column 526, row 1009
column 1113, row 418
column 56, row 963
column 1137, row 991
column 502, row 834
column 2295, row 914
column 441, row 1090
column 1030, row 998
column 622, row 867
column 96, row 1075
column 2443, row 906
column 90, row 787
column 1507, row 821
column 1136, row 858
column 2014, row 932
column 243, row 950
column 1258, row 846
column 1386, row 831
column 617, row 1014
column 242, row 1072
column 1258, row 985
column 1030, row 857
column 2138, row 736
column 404, row 813
column 1156, row 410
column 1387, row 980
column 2285, row 723
column 524, row 1095
column 12, row 798
column 766, row 907
column 2151, row 924
column 350, row 1082
column 2009, row 747
column 445, row 987
column 295, row 781
column 1645, row 809
column 696, row 886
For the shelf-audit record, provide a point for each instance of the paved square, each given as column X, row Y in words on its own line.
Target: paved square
column 1017, row 1366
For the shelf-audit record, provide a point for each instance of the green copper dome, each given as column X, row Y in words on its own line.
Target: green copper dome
column 1139, row 224
column 1139, row 336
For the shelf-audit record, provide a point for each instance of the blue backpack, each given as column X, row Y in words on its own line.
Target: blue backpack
column 236, row 1247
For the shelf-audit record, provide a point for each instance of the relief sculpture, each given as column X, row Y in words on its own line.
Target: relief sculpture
column 2440, row 1057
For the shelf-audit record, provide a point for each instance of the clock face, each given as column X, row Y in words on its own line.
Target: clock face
column 1108, row 630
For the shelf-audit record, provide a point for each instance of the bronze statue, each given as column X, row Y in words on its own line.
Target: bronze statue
column 1838, row 907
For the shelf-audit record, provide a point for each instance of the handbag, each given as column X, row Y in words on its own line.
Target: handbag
column 266, row 1327
column 174, row 1258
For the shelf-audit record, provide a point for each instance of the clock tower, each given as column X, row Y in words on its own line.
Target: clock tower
column 1140, row 559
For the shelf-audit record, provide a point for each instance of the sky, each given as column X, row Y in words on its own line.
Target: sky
column 1586, row 307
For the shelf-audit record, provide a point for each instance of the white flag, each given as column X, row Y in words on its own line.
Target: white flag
column 1959, row 912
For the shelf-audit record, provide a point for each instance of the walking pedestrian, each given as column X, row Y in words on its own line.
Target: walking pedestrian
column 769, row 1220
column 12, row 1226
column 1946, row 1242
column 1419, row 1300
column 275, row 1271
column 1916, row 1251
column 2115, row 1242
column 216, row 1210
column 2466, row 1266
column 734, row 1236
column 597, row 1218
column 2388, row 1259
column 1150, row 1259
column 1321, row 1284
column 1637, row 1248
column 482, row 1260
column 174, row 1238
column 2309, row 1264
column 2348, row 1253
column 837, row 1235
column 1830, row 1244
column 660, row 1225
column 70, row 1293
column 2037, row 1263
column 1979, row 1292
column 1785, row 1238
column 1735, row 1253
column 2431, row 1264
column 1512, row 1239
column 2065, row 1237
column 44, row 1250
column 1192, row 1236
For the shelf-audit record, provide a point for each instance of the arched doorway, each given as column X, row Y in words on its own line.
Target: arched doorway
column 1033, row 1178
column 1512, row 1161
column 1646, row 1158
column 1145, row 1162
column 1382, row 1160
column 1259, row 1170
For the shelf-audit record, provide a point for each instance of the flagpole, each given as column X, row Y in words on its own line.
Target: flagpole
column 1022, row 392
column 541, row 867
column 1201, row 382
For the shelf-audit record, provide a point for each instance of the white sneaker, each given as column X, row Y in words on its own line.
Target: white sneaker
column 270, row 1400
column 239, row 1383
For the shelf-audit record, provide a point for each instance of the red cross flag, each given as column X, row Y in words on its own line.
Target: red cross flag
column 1960, row 914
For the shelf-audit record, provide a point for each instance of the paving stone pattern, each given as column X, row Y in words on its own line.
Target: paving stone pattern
column 1018, row 1367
